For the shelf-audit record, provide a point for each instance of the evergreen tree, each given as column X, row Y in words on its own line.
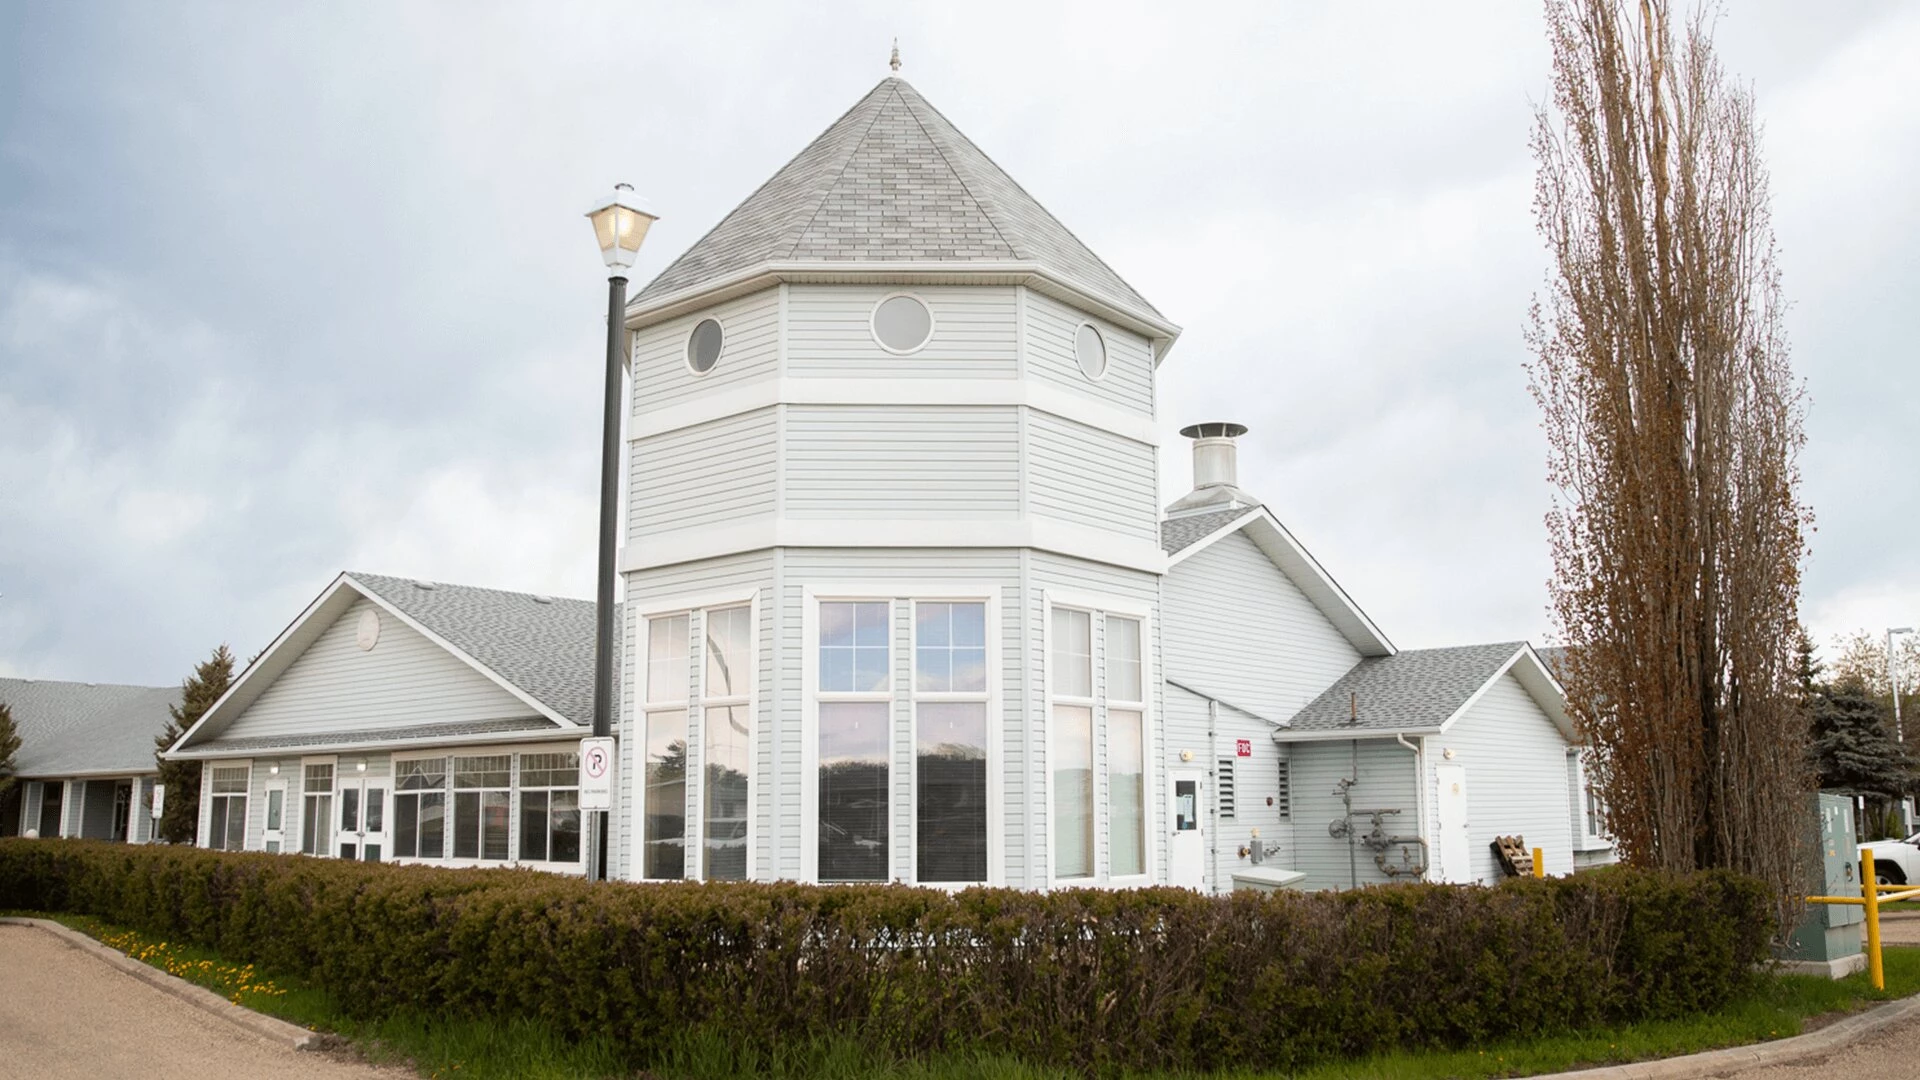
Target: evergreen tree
column 180, row 816
column 1853, row 745
column 9, row 746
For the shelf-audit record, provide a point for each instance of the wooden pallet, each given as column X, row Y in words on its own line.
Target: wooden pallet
column 1513, row 855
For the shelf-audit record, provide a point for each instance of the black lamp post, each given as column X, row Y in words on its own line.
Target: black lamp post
column 619, row 224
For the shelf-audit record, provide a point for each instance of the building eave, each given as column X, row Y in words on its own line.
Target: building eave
column 347, row 746
column 1036, row 276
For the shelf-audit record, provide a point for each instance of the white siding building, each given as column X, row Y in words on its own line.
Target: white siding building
column 900, row 604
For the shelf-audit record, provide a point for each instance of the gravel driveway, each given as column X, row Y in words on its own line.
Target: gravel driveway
column 64, row 1013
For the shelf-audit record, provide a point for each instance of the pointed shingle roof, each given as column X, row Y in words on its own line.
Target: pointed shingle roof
column 1417, row 689
column 891, row 181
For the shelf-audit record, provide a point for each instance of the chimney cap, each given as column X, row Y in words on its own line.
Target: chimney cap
column 1215, row 430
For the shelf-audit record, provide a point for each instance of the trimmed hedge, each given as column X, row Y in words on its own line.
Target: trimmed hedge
column 1099, row 980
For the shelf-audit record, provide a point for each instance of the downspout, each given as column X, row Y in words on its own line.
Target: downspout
column 1353, row 851
column 1213, row 804
column 1419, row 795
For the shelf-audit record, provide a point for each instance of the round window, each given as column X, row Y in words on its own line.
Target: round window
column 1091, row 349
column 703, row 346
column 902, row 323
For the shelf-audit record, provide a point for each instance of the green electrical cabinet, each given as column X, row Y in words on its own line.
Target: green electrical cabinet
column 1827, row 941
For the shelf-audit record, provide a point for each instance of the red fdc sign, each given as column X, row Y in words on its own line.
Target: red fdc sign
column 1243, row 748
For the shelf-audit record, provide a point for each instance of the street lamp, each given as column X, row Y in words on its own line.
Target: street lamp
column 619, row 224
column 1893, row 681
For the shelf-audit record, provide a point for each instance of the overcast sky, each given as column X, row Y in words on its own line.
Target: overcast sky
column 289, row 289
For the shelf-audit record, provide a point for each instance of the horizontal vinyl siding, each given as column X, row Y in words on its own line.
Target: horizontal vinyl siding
column 1238, row 629
column 1090, row 477
column 902, row 462
column 403, row 681
column 1516, row 766
column 829, row 333
column 749, row 351
column 706, row 475
column 1386, row 771
column 1050, row 332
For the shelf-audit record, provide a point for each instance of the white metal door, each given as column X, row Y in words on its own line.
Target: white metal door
column 363, row 820
column 276, row 830
column 1450, row 825
column 1187, row 839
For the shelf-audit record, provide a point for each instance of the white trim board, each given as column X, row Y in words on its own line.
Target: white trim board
column 774, row 531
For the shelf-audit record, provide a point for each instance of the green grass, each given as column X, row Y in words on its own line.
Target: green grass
column 446, row 1048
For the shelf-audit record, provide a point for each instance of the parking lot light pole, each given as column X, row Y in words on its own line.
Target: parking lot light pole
column 620, row 223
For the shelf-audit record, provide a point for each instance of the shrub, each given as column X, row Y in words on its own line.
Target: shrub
column 1100, row 980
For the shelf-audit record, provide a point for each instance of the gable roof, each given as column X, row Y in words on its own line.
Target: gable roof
column 538, row 648
column 1423, row 691
column 79, row 729
column 891, row 181
column 1186, row 536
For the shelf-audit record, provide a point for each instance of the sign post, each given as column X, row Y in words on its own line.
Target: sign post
column 159, row 800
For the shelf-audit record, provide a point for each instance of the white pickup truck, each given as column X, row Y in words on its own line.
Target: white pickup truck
column 1896, row 862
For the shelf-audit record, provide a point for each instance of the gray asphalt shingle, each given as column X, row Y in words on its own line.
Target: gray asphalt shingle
column 543, row 645
column 1416, row 689
column 416, row 733
column 69, row 728
column 1184, row 532
column 891, row 181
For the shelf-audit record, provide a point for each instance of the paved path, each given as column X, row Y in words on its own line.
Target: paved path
column 1893, row 1054
column 64, row 1014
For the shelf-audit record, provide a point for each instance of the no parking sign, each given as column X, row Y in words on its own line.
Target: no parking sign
column 596, row 774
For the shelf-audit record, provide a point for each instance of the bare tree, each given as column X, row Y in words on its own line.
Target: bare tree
column 1674, row 424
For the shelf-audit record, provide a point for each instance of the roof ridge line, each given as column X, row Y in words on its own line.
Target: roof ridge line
column 728, row 216
column 846, row 163
column 1021, row 188
column 987, row 209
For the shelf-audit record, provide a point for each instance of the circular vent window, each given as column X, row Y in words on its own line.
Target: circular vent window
column 902, row 324
column 703, row 346
column 1091, row 349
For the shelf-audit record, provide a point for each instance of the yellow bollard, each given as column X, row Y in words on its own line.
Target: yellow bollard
column 1871, row 894
column 1539, row 862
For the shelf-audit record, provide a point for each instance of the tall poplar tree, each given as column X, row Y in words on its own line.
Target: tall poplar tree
column 1674, row 423
column 180, row 813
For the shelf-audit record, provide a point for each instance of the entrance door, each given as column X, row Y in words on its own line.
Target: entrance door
column 363, row 819
column 122, row 811
column 276, row 835
column 1450, row 825
column 1187, row 842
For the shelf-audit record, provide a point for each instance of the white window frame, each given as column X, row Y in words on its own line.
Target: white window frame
column 299, row 831
column 445, row 758
column 916, row 697
column 697, row 717
column 1103, row 740
column 812, row 596
column 694, row 607
column 579, row 866
column 208, row 798
column 1585, row 838
column 1098, row 606
column 873, row 329
column 512, row 754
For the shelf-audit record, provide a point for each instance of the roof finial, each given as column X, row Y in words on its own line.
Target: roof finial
column 894, row 61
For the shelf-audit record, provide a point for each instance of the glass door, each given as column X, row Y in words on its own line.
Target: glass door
column 363, row 819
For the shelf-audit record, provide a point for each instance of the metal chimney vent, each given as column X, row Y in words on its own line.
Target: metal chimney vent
column 1216, row 470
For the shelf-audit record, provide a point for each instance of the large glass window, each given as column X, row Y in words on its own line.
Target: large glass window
column 855, row 710
column 228, row 828
column 550, row 807
column 420, row 808
column 728, row 722
column 482, row 804
column 669, row 675
column 316, row 809
column 1072, row 675
column 950, row 741
column 1126, row 749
